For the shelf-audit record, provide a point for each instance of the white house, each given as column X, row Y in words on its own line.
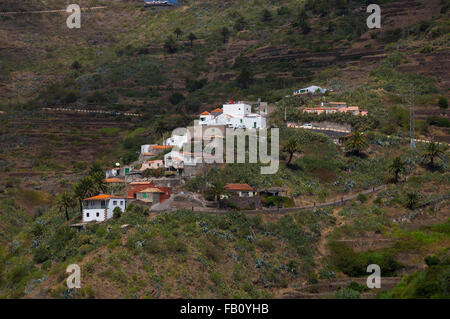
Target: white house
column 241, row 190
column 147, row 148
column 310, row 90
column 234, row 115
column 113, row 172
column 178, row 160
column 176, row 140
column 152, row 165
column 119, row 171
column 100, row 208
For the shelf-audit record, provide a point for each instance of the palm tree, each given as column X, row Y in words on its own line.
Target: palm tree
column 218, row 189
column 411, row 200
column 98, row 178
column 170, row 45
column 225, row 34
column 266, row 15
column 431, row 151
column 178, row 32
column 356, row 144
column 96, row 168
column 292, row 146
column 397, row 167
column 85, row 187
column 244, row 78
column 65, row 201
column 192, row 37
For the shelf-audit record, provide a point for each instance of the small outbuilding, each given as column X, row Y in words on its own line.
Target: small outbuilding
column 241, row 190
column 150, row 195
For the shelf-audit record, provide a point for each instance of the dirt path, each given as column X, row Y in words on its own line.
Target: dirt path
column 321, row 245
column 336, row 202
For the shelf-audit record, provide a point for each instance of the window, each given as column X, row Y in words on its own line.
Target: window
column 87, row 214
column 144, row 195
column 121, row 202
column 103, row 204
column 98, row 214
column 115, row 203
column 254, row 124
column 241, row 120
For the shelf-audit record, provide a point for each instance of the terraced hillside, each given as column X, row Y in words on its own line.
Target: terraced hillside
column 168, row 66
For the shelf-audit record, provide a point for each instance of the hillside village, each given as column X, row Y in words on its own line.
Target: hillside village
column 110, row 149
column 132, row 184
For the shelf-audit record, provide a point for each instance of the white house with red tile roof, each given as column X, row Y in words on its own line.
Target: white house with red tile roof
column 234, row 115
column 155, row 164
column 100, row 208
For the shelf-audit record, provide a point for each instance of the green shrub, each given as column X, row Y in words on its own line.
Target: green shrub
column 362, row 198
column 355, row 264
column 117, row 212
column 346, row 260
column 347, row 293
column 40, row 255
column 176, row 246
column 357, row 287
column 213, row 252
column 266, row 244
column 443, row 103
column 432, row 260
column 176, row 98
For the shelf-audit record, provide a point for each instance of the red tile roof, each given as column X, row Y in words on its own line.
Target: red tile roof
column 142, row 183
column 103, row 197
column 238, row 187
column 217, row 111
column 151, row 190
column 205, row 113
column 114, row 180
column 161, row 147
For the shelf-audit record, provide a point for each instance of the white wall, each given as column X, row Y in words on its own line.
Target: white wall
column 239, row 109
column 236, row 116
column 177, row 140
column 90, row 215
column 94, row 207
column 116, row 202
column 146, row 148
